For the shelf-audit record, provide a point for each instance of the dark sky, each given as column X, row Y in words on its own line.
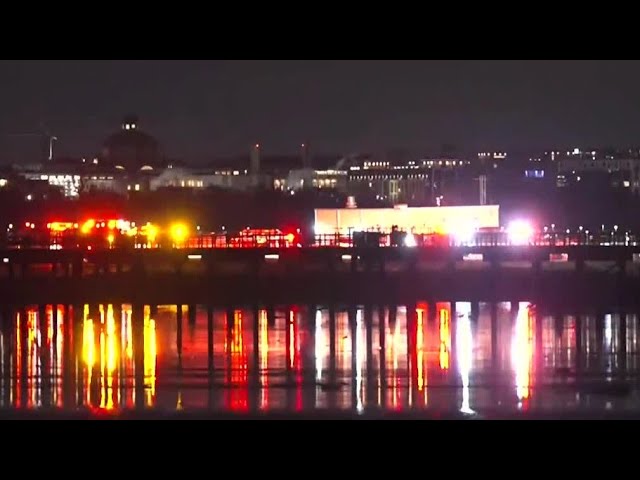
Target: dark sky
column 201, row 109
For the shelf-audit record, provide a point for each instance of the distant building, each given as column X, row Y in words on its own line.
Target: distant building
column 622, row 169
column 200, row 179
column 310, row 178
column 492, row 160
column 415, row 181
column 131, row 149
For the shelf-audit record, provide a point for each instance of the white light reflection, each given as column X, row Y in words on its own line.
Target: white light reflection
column 464, row 352
column 522, row 351
column 608, row 342
column 360, row 358
column 320, row 344
column 608, row 331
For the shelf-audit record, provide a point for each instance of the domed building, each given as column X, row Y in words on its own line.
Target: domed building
column 131, row 149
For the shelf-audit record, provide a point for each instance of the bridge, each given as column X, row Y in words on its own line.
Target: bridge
column 551, row 273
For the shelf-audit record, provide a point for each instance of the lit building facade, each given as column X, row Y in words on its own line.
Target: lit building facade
column 415, row 181
column 447, row 220
column 199, row 179
column 622, row 169
column 309, row 178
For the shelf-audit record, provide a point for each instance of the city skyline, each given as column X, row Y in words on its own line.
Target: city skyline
column 200, row 110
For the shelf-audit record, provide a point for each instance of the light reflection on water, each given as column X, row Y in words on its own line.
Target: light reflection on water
column 435, row 356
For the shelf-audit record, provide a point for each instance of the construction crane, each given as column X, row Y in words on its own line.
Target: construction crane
column 44, row 133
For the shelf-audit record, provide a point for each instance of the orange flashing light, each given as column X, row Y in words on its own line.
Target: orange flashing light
column 87, row 226
column 60, row 226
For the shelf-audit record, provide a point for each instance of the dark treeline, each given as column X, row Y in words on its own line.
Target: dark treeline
column 212, row 209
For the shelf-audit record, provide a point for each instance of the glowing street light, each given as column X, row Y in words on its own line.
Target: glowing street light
column 179, row 233
column 520, row 232
column 410, row 240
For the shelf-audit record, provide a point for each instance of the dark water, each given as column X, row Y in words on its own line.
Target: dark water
column 463, row 359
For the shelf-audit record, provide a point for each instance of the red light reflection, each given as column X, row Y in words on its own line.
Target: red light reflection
column 522, row 352
column 237, row 379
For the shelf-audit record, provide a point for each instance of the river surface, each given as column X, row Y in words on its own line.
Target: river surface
column 458, row 360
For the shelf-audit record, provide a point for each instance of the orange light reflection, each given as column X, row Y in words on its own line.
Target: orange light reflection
column 264, row 359
column 522, row 350
column 444, row 315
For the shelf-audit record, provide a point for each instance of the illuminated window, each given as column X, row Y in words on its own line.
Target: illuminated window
column 137, row 187
column 3, row 182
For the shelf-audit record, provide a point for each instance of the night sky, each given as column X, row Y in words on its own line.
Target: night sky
column 202, row 109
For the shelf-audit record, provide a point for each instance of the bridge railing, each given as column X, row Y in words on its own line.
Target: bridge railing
column 279, row 240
